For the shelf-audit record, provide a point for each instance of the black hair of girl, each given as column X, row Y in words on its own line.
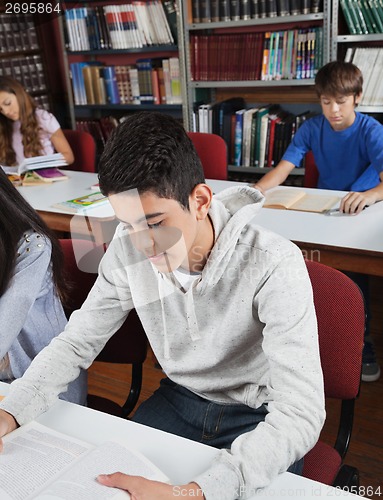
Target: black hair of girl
column 17, row 217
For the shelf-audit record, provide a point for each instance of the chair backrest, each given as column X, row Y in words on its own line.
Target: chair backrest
column 340, row 310
column 212, row 151
column 311, row 176
column 128, row 345
column 84, row 149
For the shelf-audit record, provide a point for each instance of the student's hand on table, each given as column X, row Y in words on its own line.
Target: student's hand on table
column 354, row 203
column 140, row 488
column 7, row 425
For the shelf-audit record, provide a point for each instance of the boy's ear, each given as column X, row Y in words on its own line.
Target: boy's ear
column 357, row 99
column 200, row 199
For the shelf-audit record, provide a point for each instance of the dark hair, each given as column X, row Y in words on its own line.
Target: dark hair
column 339, row 78
column 151, row 152
column 16, row 217
column 29, row 125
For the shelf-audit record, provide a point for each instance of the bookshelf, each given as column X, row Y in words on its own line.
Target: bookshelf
column 254, row 87
column 112, row 50
column 360, row 40
column 22, row 56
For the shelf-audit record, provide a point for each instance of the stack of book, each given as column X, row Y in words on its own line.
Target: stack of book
column 289, row 54
column 37, row 170
column 150, row 81
column 205, row 11
column 256, row 137
column 131, row 25
column 370, row 61
column 363, row 16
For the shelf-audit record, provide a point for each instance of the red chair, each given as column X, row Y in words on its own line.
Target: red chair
column 212, row 151
column 340, row 310
column 84, row 149
column 127, row 346
column 311, row 176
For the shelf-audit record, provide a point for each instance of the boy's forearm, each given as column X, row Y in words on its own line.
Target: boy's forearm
column 377, row 192
column 275, row 177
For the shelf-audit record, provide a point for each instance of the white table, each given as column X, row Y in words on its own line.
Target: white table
column 350, row 243
column 180, row 459
column 98, row 224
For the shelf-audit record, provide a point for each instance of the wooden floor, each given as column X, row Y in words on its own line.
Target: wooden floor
column 366, row 449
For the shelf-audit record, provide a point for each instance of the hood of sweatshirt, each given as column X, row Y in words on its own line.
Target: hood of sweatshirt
column 230, row 212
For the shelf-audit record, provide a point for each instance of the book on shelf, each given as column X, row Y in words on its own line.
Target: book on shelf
column 39, row 462
column 297, row 199
column 82, row 203
column 37, row 162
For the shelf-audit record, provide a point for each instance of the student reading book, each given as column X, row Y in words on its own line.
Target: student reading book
column 67, row 467
column 26, row 130
column 348, row 152
column 227, row 307
column 297, row 199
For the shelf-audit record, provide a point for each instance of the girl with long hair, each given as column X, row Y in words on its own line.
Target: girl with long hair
column 32, row 287
column 26, row 130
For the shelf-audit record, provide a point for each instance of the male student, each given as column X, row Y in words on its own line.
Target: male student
column 348, row 152
column 227, row 307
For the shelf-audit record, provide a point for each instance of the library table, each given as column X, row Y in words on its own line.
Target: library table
column 348, row 242
column 98, row 224
column 179, row 458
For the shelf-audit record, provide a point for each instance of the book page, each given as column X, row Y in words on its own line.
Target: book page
column 32, row 456
column 40, row 463
column 315, row 203
column 283, row 198
column 80, row 482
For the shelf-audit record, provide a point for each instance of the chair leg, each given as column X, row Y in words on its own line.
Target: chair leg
column 135, row 389
column 347, row 477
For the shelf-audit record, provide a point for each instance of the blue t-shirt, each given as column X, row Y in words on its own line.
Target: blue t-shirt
column 347, row 160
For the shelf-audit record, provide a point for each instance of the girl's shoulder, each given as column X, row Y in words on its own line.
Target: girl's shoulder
column 32, row 242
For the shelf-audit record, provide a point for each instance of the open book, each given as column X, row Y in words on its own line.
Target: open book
column 36, row 162
column 38, row 462
column 297, row 199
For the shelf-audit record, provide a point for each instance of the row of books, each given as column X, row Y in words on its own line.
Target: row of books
column 132, row 25
column 17, row 33
column 363, row 16
column 100, row 129
column 205, row 11
column 150, row 81
column 370, row 61
column 256, row 137
column 292, row 54
column 28, row 70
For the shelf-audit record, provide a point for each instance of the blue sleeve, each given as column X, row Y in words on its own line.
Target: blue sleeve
column 299, row 146
column 374, row 146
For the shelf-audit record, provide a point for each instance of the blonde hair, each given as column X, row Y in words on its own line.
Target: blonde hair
column 29, row 126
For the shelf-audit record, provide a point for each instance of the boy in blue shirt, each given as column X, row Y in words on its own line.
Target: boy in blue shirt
column 348, row 152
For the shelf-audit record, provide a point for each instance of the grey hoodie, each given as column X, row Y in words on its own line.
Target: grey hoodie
column 245, row 332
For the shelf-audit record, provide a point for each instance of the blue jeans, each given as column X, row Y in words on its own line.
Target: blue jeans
column 174, row 409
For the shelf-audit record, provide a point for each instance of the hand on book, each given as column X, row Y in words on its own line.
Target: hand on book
column 354, row 203
column 141, row 488
column 7, row 425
